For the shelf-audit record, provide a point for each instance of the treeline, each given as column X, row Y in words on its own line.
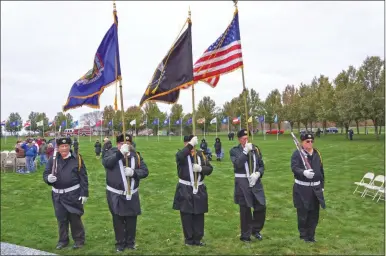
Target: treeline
column 357, row 94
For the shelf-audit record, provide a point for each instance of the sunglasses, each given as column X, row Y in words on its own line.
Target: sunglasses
column 309, row 141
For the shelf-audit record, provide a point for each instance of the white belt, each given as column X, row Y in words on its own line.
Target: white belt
column 188, row 183
column 309, row 184
column 120, row 192
column 240, row 175
column 66, row 190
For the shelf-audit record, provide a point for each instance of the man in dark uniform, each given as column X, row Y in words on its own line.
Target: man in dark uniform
column 192, row 199
column 249, row 192
column 122, row 190
column 67, row 175
column 308, row 188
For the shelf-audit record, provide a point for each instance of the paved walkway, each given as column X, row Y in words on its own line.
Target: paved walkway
column 13, row 249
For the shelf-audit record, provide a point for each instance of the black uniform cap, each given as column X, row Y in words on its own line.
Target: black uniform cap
column 128, row 138
column 187, row 138
column 306, row 136
column 203, row 140
column 217, row 139
column 241, row 133
column 64, row 140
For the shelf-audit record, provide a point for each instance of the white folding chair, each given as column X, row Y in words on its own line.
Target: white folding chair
column 381, row 191
column 370, row 176
column 375, row 185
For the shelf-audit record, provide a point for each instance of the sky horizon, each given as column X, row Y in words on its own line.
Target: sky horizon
column 47, row 46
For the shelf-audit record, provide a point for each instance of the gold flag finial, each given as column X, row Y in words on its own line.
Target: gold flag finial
column 114, row 6
column 235, row 2
column 189, row 14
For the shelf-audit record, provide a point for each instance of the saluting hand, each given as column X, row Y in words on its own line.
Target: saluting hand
column 248, row 147
column 125, row 150
column 193, row 141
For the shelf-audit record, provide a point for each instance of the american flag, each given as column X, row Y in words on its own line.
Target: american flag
column 223, row 56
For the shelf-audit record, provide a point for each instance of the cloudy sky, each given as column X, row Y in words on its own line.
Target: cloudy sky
column 47, row 46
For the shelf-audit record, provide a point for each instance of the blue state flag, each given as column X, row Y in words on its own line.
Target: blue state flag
column 156, row 121
column 178, row 122
column 261, row 119
column 225, row 120
column 105, row 71
column 166, row 121
column 189, row 121
column 75, row 124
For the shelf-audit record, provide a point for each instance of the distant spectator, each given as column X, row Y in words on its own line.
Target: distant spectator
column 218, row 149
column 76, row 146
column 49, row 151
column 42, row 153
column 30, row 153
column 98, row 149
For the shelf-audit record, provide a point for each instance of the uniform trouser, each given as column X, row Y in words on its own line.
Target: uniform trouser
column 251, row 225
column 77, row 229
column 307, row 222
column 193, row 227
column 125, row 228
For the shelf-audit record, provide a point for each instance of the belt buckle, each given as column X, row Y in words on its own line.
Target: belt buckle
column 61, row 191
column 124, row 193
column 312, row 183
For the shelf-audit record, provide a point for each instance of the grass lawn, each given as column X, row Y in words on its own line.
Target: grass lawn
column 349, row 225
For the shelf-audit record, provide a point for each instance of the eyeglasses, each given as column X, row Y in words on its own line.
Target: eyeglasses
column 309, row 141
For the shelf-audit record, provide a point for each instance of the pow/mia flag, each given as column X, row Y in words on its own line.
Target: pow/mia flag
column 174, row 72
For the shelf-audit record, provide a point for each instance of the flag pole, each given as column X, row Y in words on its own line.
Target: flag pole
column 169, row 130
column 245, row 99
column 264, row 127
column 122, row 109
column 158, row 128
column 277, row 125
column 193, row 112
column 228, row 125
column 216, row 127
column 101, row 126
column 181, row 127
column 147, row 131
column 252, row 127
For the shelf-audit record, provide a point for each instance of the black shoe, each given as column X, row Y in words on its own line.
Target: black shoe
column 60, row 246
column 258, row 236
column 200, row 244
column 245, row 240
column 131, row 247
column 120, row 249
column 77, row 246
column 310, row 240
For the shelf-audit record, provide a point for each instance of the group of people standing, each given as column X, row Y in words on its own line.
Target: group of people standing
column 125, row 168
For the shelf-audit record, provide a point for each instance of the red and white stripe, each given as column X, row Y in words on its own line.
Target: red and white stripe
column 214, row 63
column 27, row 124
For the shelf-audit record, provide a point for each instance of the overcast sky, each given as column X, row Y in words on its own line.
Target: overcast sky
column 47, row 46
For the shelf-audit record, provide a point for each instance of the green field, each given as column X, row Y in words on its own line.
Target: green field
column 349, row 225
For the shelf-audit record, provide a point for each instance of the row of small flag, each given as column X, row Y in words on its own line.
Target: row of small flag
column 40, row 123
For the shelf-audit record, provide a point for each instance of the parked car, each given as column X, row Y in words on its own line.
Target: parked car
column 332, row 130
column 274, row 131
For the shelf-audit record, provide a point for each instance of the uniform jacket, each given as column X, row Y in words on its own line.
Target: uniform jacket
column 305, row 196
column 68, row 174
column 184, row 199
column 118, row 204
column 217, row 147
column 244, row 195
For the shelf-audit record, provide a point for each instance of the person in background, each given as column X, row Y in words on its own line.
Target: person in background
column 351, row 133
column 106, row 145
column 49, row 151
column 76, row 146
column 30, row 153
column 98, row 149
column 218, row 149
column 20, row 153
column 42, row 153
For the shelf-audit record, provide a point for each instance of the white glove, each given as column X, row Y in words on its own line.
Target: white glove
column 247, row 148
column 51, row 178
column 309, row 173
column 125, row 149
column 193, row 141
column 83, row 198
column 129, row 172
column 322, row 189
column 197, row 168
column 253, row 178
